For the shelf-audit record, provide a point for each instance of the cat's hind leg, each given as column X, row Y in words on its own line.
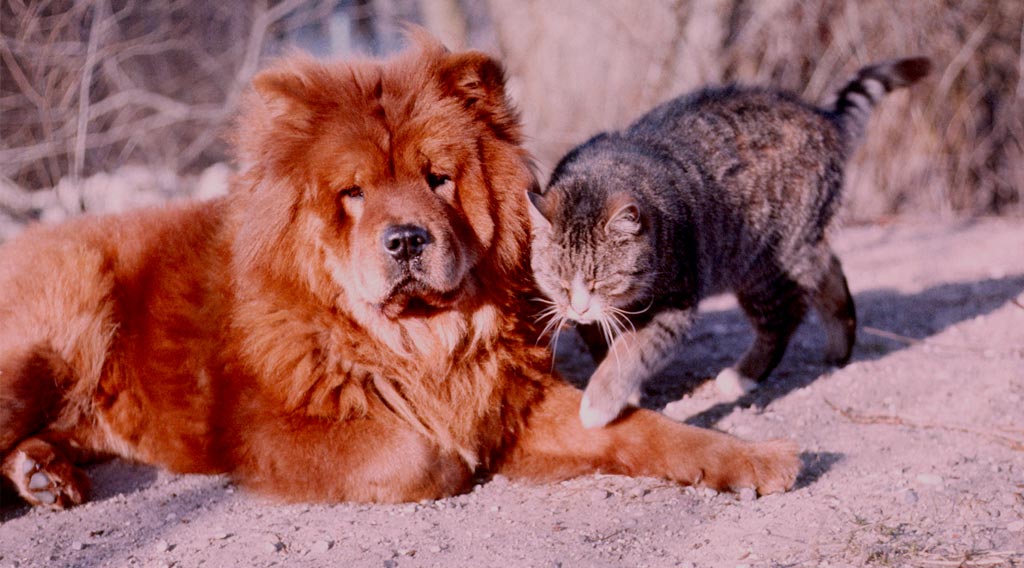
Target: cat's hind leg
column 834, row 304
column 775, row 307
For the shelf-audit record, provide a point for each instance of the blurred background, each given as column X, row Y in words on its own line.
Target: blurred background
column 108, row 104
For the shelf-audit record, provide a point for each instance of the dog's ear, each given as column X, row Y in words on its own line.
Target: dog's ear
column 478, row 81
column 287, row 90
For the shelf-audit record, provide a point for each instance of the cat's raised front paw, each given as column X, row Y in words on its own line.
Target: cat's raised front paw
column 595, row 414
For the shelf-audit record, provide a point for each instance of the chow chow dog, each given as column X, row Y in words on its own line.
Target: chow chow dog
column 351, row 323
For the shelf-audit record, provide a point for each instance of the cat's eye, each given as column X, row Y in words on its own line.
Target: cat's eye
column 435, row 181
column 353, row 192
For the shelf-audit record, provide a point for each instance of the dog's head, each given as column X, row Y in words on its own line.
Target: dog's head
column 395, row 188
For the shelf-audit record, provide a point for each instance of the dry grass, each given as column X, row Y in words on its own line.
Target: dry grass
column 953, row 145
column 88, row 86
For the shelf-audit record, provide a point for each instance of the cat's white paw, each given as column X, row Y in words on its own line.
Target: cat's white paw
column 634, row 399
column 732, row 384
column 596, row 415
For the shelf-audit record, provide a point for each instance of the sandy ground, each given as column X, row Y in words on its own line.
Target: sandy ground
column 913, row 453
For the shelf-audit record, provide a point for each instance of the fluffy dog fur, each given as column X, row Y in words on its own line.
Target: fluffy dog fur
column 350, row 323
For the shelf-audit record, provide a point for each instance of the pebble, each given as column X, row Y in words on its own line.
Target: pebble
column 76, row 545
column 747, row 494
column 321, row 546
column 272, row 546
column 638, row 492
column 390, row 563
column 910, row 497
column 707, row 493
column 162, row 546
column 499, row 481
column 435, row 549
column 929, row 479
column 599, row 494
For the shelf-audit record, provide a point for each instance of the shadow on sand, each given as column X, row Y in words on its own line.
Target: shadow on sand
column 720, row 337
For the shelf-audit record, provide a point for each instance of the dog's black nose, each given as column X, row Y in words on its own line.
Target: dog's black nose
column 405, row 242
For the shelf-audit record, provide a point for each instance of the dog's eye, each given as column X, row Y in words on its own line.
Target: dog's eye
column 437, row 180
column 354, row 192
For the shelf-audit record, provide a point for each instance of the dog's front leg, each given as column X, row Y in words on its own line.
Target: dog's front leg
column 554, row 445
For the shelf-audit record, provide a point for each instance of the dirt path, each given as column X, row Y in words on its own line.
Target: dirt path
column 914, row 454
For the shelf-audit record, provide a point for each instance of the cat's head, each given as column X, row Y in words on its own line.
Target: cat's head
column 593, row 253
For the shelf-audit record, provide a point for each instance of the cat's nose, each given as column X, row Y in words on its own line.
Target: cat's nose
column 580, row 302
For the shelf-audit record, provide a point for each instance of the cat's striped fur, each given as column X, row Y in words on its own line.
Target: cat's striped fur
column 727, row 189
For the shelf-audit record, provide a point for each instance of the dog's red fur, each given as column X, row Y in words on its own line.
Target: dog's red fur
column 271, row 335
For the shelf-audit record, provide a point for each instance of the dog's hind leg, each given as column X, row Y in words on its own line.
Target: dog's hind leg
column 39, row 464
column 29, row 393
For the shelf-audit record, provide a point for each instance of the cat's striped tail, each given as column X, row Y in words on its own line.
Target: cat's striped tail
column 854, row 101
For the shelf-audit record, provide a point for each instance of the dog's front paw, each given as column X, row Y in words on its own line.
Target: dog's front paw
column 767, row 467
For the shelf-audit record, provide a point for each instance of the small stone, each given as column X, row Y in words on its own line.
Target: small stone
column 748, row 494
column 707, row 493
column 599, row 494
column 638, row 492
column 390, row 563
column 77, row 545
column 321, row 546
column 221, row 535
column 499, row 481
column 910, row 497
column 929, row 479
column 162, row 546
column 435, row 549
column 495, row 508
column 272, row 546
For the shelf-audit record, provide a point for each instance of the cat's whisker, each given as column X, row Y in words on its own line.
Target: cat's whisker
column 609, row 336
column 620, row 317
column 554, row 323
column 550, row 311
column 636, row 313
column 553, row 345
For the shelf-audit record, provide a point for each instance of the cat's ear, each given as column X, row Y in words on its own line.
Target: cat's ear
column 624, row 218
column 540, row 209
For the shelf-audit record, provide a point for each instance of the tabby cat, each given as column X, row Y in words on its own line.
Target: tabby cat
column 727, row 189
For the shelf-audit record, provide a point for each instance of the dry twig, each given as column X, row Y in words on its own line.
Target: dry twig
column 858, row 418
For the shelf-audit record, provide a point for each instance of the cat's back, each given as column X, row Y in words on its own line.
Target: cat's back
column 732, row 125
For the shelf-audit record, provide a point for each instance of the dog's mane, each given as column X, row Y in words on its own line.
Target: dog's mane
column 333, row 360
